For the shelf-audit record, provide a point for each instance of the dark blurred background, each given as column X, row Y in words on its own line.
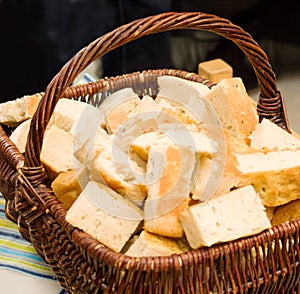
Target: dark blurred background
column 38, row 37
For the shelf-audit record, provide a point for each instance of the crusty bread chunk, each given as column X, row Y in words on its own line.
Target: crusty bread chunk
column 228, row 217
column 78, row 118
column 85, row 152
column 57, row 151
column 169, row 173
column 173, row 112
column 164, row 113
column 20, row 134
column 105, row 215
column 169, row 181
column 177, row 89
column 142, row 119
column 116, row 108
column 217, row 174
column 116, row 169
column 275, row 175
column 148, row 244
column 181, row 94
column 232, row 176
column 136, row 125
column 142, row 143
column 168, row 224
column 269, row 136
column 235, row 109
column 71, row 124
column 69, row 113
column 172, row 136
column 286, row 213
column 270, row 212
column 68, row 185
column 146, row 105
column 14, row 112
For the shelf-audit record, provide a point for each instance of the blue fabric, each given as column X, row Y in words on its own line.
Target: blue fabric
column 17, row 254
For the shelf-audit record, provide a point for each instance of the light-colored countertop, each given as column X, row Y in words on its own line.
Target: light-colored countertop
column 17, row 283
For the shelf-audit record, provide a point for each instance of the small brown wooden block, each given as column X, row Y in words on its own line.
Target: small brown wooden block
column 215, row 70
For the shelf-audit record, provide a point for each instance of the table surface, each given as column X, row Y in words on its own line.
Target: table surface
column 17, row 283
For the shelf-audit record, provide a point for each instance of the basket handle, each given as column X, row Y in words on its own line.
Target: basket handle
column 270, row 103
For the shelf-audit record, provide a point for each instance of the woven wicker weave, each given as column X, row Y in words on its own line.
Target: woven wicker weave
column 265, row 263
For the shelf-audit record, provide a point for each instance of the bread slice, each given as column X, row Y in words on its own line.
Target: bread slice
column 237, row 214
column 217, row 174
column 181, row 94
column 14, row 112
column 232, row 177
column 171, row 135
column 77, row 118
column 115, row 168
column 71, row 125
column 168, row 224
column 105, row 215
column 68, row 113
column 142, row 143
column 175, row 113
column 85, row 152
column 169, row 181
column 20, row 134
column 177, row 89
column 235, row 109
column 140, row 121
column 274, row 175
column 269, row 136
column 148, row 244
column 287, row 212
column 68, row 185
column 146, row 105
column 270, row 212
column 116, row 107
column 57, row 151
column 169, row 173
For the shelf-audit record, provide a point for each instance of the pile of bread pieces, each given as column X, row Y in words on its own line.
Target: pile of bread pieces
column 156, row 176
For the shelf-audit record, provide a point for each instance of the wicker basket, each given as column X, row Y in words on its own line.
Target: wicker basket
column 264, row 263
